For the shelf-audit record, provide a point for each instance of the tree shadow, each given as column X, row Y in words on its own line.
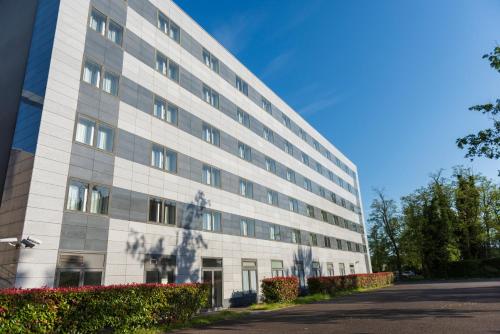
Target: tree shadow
column 302, row 263
column 187, row 242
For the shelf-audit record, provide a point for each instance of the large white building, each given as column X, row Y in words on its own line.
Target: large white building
column 140, row 150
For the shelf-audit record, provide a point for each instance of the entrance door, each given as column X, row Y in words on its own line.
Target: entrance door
column 212, row 275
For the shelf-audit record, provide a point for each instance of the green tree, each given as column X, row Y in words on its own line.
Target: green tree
column 470, row 233
column 438, row 242
column 489, row 198
column 379, row 249
column 413, row 223
column 485, row 143
column 383, row 217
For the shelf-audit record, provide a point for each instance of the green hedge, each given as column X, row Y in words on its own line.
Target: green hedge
column 474, row 268
column 280, row 289
column 119, row 308
column 331, row 284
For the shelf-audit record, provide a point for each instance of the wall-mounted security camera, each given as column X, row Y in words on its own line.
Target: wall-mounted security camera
column 30, row 242
column 8, row 240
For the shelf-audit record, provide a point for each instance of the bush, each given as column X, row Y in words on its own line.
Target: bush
column 280, row 289
column 332, row 284
column 474, row 268
column 119, row 308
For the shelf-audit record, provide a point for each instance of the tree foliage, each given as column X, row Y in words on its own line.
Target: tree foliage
column 486, row 142
column 445, row 221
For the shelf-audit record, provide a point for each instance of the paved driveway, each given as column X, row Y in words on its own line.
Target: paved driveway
column 437, row 307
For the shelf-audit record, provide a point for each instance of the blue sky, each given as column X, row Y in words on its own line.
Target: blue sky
column 387, row 82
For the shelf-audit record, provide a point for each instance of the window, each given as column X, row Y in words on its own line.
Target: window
column 328, row 155
column 81, row 199
column 339, row 244
column 243, row 118
column 110, row 83
column 86, row 133
column 302, row 134
column 313, row 239
column 212, row 221
column 79, row 269
column 274, row 232
column 270, row 165
column 328, row 243
column 266, row 105
column 286, row 121
column 167, row 67
column 247, row 228
column 159, row 269
column 316, row 145
column 358, row 248
column 324, row 215
column 162, row 212
column 293, row 205
column 288, row 148
column 319, row 168
column 211, row 176
column 211, row 96
column 277, row 268
column 163, row 158
column 333, row 197
column 349, row 246
column 272, row 197
column 241, row 85
column 330, row 175
column 211, row 135
column 268, row 135
column 246, row 188
column 342, row 269
column 298, row 271
column 296, row 236
column 92, row 74
column 249, row 275
column 307, row 184
column 305, row 159
column 322, row 192
column 97, row 21
column 165, row 111
column 352, row 271
column 316, row 269
column 244, row 152
column 169, row 27
column 211, row 61
column 290, row 175
column 115, row 32
column 329, row 269
column 310, row 211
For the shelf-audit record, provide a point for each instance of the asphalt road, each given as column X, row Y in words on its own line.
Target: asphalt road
column 435, row 307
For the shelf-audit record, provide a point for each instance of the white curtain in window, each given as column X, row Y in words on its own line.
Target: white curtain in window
column 172, row 114
column 207, row 221
column 157, row 157
column 92, row 74
column 159, row 110
column 161, row 64
column 77, row 196
column 105, row 138
column 171, row 161
column 110, row 84
column 97, row 22
column 85, row 131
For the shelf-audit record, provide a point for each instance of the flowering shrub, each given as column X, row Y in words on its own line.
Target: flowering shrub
column 280, row 289
column 330, row 284
column 89, row 309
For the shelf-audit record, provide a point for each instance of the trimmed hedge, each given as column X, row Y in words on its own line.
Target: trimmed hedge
column 331, row 284
column 280, row 289
column 120, row 308
column 474, row 268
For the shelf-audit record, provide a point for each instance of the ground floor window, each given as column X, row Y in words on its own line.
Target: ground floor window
column 277, row 268
column 298, row 271
column 159, row 269
column 79, row 269
column 316, row 269
column 342, row 269
column 249, row 275
column 351, row 269
column 329, row 269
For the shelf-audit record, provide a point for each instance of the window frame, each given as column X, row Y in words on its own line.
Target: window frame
column 107, row 20
column 212, row 178
column 164, row 160
column 88, row 197
column 97, row 124
column 241, row 85
column 211, row 59
column 169, row 23
column 212, row 214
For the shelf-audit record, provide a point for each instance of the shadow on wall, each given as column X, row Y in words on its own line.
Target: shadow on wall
column 302, row 259
column 187, row 242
